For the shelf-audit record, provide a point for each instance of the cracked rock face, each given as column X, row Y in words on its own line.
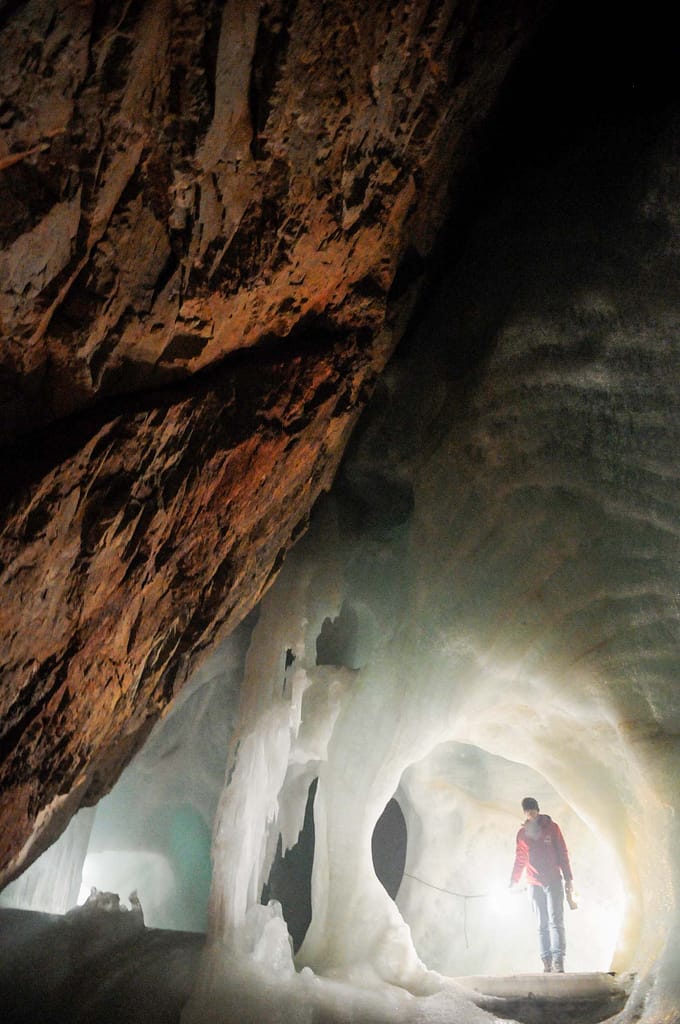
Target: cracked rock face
column 182, row 180
column 209, row 218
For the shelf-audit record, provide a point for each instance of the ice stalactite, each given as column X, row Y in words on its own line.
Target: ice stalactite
column 52, row 884
column 273, row 687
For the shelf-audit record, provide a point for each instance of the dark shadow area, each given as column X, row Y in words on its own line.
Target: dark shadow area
column 336, row 644
column 596, row 65
column 388, row 847
column 593, row 75
column 290, row 878
column 96, row 970
column 577, row 115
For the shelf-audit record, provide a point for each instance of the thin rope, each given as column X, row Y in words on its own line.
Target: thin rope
column 465, row 896
column 461, row 895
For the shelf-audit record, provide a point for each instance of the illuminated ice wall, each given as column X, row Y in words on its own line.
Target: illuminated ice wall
column 495, row 578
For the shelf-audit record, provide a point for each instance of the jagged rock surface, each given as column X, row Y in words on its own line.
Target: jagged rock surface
column 208, row 213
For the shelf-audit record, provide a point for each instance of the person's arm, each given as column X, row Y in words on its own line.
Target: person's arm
column 563, row 855
column 521, row 858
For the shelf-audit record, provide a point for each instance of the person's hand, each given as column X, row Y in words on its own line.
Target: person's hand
column 570, row 895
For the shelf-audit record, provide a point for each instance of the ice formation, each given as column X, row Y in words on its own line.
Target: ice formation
column 153, row 832
column 54, row 882
column 500, row 565
column 486, row 605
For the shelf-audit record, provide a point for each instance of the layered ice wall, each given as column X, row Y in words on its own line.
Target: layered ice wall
column 503, row 554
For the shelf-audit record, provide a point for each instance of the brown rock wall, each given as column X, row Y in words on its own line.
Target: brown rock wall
column 140, row 546
column 200, row 176
column 203, row 207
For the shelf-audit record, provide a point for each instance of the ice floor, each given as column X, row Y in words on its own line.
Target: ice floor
column 54, row 969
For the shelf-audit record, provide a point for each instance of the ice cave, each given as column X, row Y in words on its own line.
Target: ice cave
column 339, row 361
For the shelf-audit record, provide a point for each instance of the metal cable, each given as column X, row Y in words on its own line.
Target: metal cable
column 465, row 896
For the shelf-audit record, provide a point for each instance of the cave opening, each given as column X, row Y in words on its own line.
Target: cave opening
column 388, row 847
column 290, row 875
column 462, row 811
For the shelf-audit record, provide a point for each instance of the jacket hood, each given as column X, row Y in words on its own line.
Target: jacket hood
column 534, row 828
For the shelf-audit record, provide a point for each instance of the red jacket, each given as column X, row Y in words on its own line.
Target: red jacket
column 542, row 851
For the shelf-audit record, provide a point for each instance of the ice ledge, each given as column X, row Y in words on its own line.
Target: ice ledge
column 535, row 998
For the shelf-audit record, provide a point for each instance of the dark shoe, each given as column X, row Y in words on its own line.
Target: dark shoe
column 547, row 964
column 558, row 965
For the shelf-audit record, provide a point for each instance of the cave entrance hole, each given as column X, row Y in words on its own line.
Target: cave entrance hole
column 388, row 847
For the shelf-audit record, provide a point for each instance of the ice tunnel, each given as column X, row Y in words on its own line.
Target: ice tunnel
column 511, row 623
column 485, row 605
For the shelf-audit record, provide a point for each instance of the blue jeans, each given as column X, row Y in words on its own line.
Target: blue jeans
column 547, row 902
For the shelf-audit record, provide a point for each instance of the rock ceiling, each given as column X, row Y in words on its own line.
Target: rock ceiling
column 212, row 218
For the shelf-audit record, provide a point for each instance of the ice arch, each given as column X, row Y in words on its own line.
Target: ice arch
column 461, row 808
column 349, row 929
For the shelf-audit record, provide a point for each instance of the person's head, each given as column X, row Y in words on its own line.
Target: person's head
column 530, row 808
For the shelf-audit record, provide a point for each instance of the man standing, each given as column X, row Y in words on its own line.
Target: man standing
column 542, row 852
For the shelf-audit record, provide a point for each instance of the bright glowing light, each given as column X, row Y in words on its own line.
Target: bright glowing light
column 121, row 871
column 502, row 900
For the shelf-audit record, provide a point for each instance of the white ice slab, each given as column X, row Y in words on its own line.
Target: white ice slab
column 549, row 986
